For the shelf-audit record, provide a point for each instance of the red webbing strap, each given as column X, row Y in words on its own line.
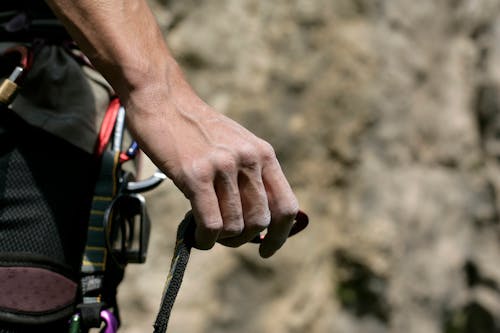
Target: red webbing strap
column 25, row 55
column 107, row 126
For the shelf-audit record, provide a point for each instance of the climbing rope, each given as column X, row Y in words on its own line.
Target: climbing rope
column 182, row 251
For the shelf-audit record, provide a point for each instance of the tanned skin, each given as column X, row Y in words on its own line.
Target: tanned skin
column 231, row 177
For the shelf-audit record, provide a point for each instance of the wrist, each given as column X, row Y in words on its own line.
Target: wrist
column 163, row 94
column 148, row 89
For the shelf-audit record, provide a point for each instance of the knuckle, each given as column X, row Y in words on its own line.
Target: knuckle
column 248, row 155
column 224, row 162
column 233, row 229
column 212, row 227
column 287, row 211
column 195, row 173
column 267, row 152
column 258, row 221
column 233, row 223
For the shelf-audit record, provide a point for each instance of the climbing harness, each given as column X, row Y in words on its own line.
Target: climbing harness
column 118, row 226
column 118, row 229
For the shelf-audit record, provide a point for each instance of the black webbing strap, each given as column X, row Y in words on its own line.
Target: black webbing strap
column 185, row 241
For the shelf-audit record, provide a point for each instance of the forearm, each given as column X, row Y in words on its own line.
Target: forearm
column 123, row 42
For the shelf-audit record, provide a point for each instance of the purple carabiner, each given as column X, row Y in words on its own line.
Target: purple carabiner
column 111, row 323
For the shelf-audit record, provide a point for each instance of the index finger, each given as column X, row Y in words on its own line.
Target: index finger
column 205, row 207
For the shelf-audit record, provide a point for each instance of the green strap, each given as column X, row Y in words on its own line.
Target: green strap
column 74, row 324
column 95, row 254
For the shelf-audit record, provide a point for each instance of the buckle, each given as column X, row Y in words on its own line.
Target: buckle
column 127, row 226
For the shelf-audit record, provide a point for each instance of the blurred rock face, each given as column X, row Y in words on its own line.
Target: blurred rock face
column 386, row 118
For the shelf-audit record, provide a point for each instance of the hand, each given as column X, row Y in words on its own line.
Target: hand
column 232, row 178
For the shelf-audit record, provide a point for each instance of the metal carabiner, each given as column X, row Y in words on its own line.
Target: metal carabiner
column 147, row 184
column 10, row 85
column 107, row 317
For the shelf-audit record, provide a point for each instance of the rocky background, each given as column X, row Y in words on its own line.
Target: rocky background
column 385, row 115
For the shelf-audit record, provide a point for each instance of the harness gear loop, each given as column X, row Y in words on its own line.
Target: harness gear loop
column 119, row 226
column 97, row 277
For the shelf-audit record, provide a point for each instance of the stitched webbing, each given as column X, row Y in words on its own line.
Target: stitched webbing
column 94, row 258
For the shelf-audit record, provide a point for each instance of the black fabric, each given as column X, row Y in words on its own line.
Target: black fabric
column 35, row 8
column 25, row 21
column 91, row 315
column 46, row 188
column 60, row 326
